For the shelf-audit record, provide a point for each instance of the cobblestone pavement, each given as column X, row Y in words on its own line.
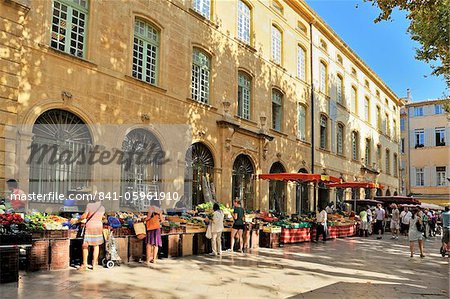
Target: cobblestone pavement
column 342, row 268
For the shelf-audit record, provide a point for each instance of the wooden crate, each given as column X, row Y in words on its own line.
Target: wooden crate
column 56, row 234
column 38, row 255
column 122, row 248
column 187, row 244
column 269, row 240
column 136, row 248
column 174, row 246
column 9, row 265
column 59, row 254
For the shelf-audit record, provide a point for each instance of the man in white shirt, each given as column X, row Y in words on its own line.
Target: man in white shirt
column 405, row 216
column 380, row 214
column 321, row 224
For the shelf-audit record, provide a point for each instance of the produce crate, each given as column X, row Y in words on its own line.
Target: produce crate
column 174, row 246
column 56, row 234
column 193, row 229
column 272, row 229
column 19, row 239
column 136, row 249
column 269, row 240
column 122, row 248
column 59, row 254
column 38, row 255
column 9, row 265
column 187, row 244
column 37, row 234
column 122, row 232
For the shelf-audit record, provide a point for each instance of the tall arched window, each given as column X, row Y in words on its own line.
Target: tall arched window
column 69, row 26
column 379, row 154
column 244, row 22
column 354, row 99
column 278, row 7
column 323, row 132
column 277, row 44
column 367, row 153
column 199, row 175
column 277, row 109
column 62, row 168
column 145, row 52
column 242, row 181
column 388, row 161
column 340, row 139
column 201, row 69
column 277, row 190
column 339, row 89
column 301, row 63
column 301, row 122
column 355, row 146
column 203, row 7
column 379, row 119
column 244, row 95
column 142, row 172
column 323, row 73
column 395, row 166
column 367, row 109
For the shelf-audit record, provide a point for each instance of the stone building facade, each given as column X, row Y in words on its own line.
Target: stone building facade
column 239, row 73
column 425, row 131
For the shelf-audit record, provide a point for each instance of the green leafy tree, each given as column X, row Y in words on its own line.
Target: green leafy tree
column 429, row 26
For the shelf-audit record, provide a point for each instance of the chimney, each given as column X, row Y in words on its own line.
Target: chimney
column 408, row 95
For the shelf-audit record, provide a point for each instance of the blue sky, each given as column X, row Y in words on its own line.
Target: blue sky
column 386, row 47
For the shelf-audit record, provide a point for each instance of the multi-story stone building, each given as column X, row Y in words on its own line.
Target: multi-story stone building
column 425, row 131
column 266, row 86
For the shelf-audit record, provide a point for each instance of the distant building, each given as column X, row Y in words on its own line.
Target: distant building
column 425, row 151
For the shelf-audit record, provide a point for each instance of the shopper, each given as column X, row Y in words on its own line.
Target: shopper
column 238, row 226
column 17, row 198
column 153, row 239
column 321, row 224
column 369, row 220
column 414, row 234
column 395, row 221
column 380, row 214
column 405, row 216
column 364, row 224
column 446, row 228
column 433, row 220
column 216, row 230
column 93, row 234
column 329, row 208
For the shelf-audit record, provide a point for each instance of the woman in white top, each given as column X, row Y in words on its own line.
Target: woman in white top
column 414, row 234
column 216, row 230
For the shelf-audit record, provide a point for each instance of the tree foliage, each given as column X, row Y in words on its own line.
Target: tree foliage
column 429, row 25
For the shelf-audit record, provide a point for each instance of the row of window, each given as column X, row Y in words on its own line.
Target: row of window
column 419, row 137
column 355, row 144
column 419, row 111
column 441, row 176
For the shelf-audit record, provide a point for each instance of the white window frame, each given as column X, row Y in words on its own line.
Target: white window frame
column 244, row 22
column 244, row 95
column 419, row 137
column 301, row 122
column 367, row 109
column 203, row 7
column 339, row 89
column 277, row 109
column 420, row 177
column 441, row 176
column 418, row 111
column 355, row 145
column 201, row 73
column 277, row 44
column 74, row 15
column 340, row 139
column 438, row 109
column 323, row 77
column 441, row 131
column 301, row 63
column 354, row 99
column 145, row 52
column 323, row 131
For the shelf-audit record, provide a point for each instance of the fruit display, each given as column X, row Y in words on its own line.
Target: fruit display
column 40, row 221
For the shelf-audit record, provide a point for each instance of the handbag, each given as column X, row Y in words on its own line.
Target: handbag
column 209, row 231
column 420, row 227
column 140, row 230
column 83, row 225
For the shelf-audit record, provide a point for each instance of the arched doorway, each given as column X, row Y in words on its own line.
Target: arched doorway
column 62, row 168
column 199, row 175
column 388, row 192
column 141, row 170
column 301, row 195
column 277, row 190
column 242, row 181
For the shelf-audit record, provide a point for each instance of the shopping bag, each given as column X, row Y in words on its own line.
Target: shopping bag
column 208, row 231
column 140, row 230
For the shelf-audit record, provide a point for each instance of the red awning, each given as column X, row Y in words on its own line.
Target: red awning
column 398, row 199
column 355, row 185
column 298, row 177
